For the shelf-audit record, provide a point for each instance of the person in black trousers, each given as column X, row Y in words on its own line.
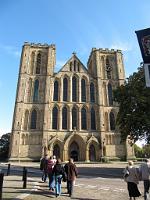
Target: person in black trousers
column 71, row 171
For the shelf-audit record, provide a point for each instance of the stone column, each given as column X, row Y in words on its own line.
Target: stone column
column 79, row 90
column 88, row 92
column 70, row 89
column 61, row 90
column 70, row 119
column 87, row 155
column 60, row 119
column 79, row 119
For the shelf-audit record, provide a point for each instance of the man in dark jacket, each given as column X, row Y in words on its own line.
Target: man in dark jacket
column 43, row 167
column 71, row 171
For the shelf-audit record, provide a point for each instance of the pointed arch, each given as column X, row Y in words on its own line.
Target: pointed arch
column 74, row 118
column 92, row 92
column 32, row 62
column 83, row 90
column 112, row 121
column 56, row 91
column 33, row 124
column 56, row 151
column 26, row 118
column 65, row 89
column 64, row 118
column 110, row 96
column 93, row 120
column 74, row 89
column 83, row 119
column 36, row 91
column 55, row 118
column 108, row 68
column 38, row 65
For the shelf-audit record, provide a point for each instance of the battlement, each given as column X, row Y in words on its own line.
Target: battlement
column 39, row 45
column 105, row 51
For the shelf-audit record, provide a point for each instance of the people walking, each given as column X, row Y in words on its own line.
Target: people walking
column 50, row 166
column 43, row 167
column 131, row 176
column 58, row 172
column 145, row 177
column 71, row 171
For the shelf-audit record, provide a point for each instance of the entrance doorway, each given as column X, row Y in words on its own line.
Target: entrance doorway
column 92, row 154
column 56, row 151
column 74, row 151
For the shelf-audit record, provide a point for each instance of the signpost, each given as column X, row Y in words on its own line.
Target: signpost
column 144, row 43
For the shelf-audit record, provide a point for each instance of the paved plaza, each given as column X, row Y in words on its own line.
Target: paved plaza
column 87, row 187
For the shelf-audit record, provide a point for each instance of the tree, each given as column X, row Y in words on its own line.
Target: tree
column 133, row 118
column 139, row 153
column 4, row 145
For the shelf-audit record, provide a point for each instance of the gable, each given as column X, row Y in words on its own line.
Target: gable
column 73, row 65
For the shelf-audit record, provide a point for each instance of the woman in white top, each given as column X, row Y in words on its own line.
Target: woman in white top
column 132, row 179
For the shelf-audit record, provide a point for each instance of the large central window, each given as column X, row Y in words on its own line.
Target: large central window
column 65, row 89
column 83, row 90
column 55, row 118
column 74, row 118
column 83, row 119
column 74, row 89
column 55, row 98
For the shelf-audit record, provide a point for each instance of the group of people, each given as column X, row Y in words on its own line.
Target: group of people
column 56, row 173
column 133, row 175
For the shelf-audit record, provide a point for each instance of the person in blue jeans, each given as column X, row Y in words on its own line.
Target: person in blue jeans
column 58, row 172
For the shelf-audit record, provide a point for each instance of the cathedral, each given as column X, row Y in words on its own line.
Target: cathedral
column 70, row 113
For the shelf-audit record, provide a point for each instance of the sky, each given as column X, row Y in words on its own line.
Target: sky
column 72, row 25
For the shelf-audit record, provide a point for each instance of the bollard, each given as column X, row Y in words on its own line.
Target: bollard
column 24, row 178
column 1, row 184
column 23, row 173
column 8, row 169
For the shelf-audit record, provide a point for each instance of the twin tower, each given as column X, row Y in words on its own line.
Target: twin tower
column 70, row 113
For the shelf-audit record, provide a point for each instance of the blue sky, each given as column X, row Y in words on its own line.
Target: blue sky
column 73, row 25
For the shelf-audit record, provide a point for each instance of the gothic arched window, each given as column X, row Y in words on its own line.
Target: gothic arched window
column 83, row 90
column 56, row 91
column 112, row 121
column 74, row 118
column 83, row 119
column 38, row 66
column 110, row 97
column 54, row 118
column 108, row 69
column 65, row 89
column 64, row 118
column 33, row 119
column 92, row 93
column 74, row 65
column 74, row 89
column 36, row 91
column 93, row 121
column 32, row 62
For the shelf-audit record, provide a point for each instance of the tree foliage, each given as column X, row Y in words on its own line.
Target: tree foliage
column 4, row 145
column 134, row 107
column 143, row 152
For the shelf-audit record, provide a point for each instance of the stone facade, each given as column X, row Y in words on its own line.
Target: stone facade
column 68, row 113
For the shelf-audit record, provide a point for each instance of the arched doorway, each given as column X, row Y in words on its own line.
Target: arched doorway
column 92, row 153
column 56, row 151
column 74, row 151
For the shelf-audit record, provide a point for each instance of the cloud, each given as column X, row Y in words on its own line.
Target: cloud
column 10, row 50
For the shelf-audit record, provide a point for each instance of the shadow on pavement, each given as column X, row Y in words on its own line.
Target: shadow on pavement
column 103, row 172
